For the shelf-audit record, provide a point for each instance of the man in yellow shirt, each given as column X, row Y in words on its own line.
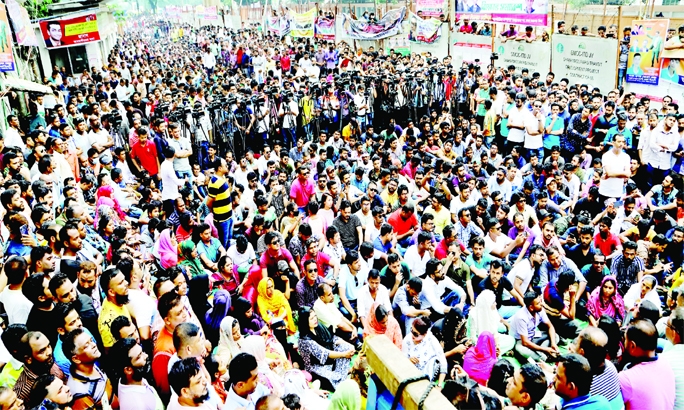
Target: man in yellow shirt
column 115, row 286
column 390, row 196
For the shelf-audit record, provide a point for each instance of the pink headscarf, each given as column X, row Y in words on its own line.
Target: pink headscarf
column 165, row 251
column 105, row 197
column 479, row 360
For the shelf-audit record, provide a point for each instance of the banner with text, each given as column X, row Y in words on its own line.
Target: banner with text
column 280, row 26
column 645, row 48
column 586, row 60
column 468, row 48
column 173, row 11
column 535, row 56
column 325, row 28
column 70, row 32
column 302, row 25
column 22, row 24
column 526, row 12
column 389, row 25
column 431, row 8
column 6, row 55
column 424, row 30
column 399, row 44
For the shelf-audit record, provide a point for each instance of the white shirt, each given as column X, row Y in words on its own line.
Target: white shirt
column 574, row 186
column 661, row 158
column 101, row 137
column 182, row 143
column 170, row 181
column 415, row 262
column 532, row 141
column 241, row 259
column 13, row 139
column 431, row 296
column 499, row 245
column 289, row 120
column 517, row 117
column 457, row 204
column 16, row 305
column 364, row 300
column 613, row 187
column 524, row 271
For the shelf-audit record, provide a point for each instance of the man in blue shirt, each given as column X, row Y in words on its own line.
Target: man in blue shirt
column 573, row 382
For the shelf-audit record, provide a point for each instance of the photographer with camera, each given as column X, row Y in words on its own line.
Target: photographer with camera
column 330, row 108
column 263, row 119
column 289, row 110
column 244, row 120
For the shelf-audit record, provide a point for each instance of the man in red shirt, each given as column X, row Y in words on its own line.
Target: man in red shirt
column 285, row 63
column 605, row 240
column 302, row 189
column 404, row 222
column 173, row 311
column 323, row 261
column 144, row 153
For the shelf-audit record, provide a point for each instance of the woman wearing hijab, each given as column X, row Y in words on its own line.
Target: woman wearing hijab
column 455, row 337
column 250, row 321
column 105, row 196
column 479, row 360
column 347, row 397
column 230, row 340
column 380, row 322
column 325, row 356
column 644, row 290
column 216, row 314
column 273, row 305
column 605, row 300
column 256, row 346
column 191, row 262
column 166, row 249
column 309, row 397
column 484, row 317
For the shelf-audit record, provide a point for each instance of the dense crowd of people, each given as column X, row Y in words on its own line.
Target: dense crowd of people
column 224, row 218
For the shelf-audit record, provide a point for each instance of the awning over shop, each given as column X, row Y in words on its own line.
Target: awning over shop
column 18, row 84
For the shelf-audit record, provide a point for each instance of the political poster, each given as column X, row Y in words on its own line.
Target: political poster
column 525, row 12
column 389, row 25
column 430, row 8
column 646, row 46
column 535, row 56
column 672, row 70
column 398, row 44
column 471, row 49
column 585, row 60
column 676, row 47
column 280, row 26
column 325, row 28
column 70, row 32
column 173, row 11
column 22, row 24
column 302, row 24
column 6, row 55
column 424, row 30
column 210, row 13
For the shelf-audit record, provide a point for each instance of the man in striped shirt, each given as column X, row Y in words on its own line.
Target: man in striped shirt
column 591, row 343
column 219, row 202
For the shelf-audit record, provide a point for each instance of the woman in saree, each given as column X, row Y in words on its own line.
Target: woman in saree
column 166, row 249
column 605, row 300
column 380, row 322
column 256, row 346
column 273, row 305
column 480, row 359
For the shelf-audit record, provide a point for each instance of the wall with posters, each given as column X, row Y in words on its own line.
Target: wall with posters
column 67, row 32
column 586, row 60
column 525, row 12
column 645, row 49
column 535, row 56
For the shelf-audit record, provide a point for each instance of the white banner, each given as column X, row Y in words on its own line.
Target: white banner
column 535, row 56
column 586, row 60
column 470, row 47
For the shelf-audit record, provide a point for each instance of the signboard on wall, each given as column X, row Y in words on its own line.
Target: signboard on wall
column 431, row 8
column 22, row 24
column 535, row 56
column 585, row 60
column 469, row 47
column 6, row 55
column 70, row 32
column 525, row 12
column 646, row 45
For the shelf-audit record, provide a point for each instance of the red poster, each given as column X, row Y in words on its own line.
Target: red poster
column 69, row 32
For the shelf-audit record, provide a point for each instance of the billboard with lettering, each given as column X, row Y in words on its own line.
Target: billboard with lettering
column 70, row 32
column 585, row 60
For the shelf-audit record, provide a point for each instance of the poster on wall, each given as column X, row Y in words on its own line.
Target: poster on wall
column 585, row 60
column 69, row 32
column 471, row 49
column 535, row 56
column 672, row 70
column 430, row 8
column 389, row 25
column 325, row 28
column 6, row 55
column 22, row 24
column 646, row 46
column 398, row 44
column 303, row 24
column 424, row 30
column 526, row 12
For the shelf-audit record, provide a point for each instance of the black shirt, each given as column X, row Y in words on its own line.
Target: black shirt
column 486, row 283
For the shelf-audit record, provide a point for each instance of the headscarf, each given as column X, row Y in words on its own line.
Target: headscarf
column 227, row 346
column 347, row 396
column 323, row 336
column 274, row 304
column 105, row 197
column 482, row 317
column 256, row 346
column 615, row 307
column 478, row 361
column 296, row 383
column 165, row 251
column 633, row 296
column 218, row 312
column 391, row 330
column 454, row 330
column 193, row 265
